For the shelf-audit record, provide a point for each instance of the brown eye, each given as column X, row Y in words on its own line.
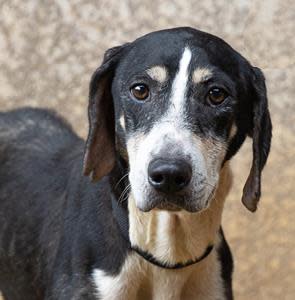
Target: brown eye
column 140, row 91
column 217, row 96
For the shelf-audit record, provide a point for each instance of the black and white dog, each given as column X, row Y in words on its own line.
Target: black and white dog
column 166, row 114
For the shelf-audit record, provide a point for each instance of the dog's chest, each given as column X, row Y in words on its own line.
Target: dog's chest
column 139, row 280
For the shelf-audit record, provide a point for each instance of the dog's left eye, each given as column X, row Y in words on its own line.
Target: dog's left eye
column 216, row 96
column 140, row 91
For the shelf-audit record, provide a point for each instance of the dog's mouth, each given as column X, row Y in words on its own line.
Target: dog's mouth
column 178, row 203
column 168, row 206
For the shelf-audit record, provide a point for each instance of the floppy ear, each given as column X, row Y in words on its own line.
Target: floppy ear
column 99, row 155
column 261, row 135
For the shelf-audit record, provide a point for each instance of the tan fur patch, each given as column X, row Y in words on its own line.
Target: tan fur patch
column 158, row 73
column 213, row 151
column 233, row 131
column 122, row 122
column 201, row 74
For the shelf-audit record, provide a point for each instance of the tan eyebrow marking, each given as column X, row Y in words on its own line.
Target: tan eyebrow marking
column 233, row 130
column 122, row 122
column 201, row 74
column 158, row 73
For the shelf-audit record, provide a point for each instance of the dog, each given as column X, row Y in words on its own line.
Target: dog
column 166, row 112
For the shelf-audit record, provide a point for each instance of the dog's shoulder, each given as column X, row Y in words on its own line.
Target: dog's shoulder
column 26, row 125
column 36, row 141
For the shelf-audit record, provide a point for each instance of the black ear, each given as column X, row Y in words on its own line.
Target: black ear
column 261, row 135
column 99, row 155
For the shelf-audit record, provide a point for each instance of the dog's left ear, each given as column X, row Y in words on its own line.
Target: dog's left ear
column 99, row 155
column 261, row 135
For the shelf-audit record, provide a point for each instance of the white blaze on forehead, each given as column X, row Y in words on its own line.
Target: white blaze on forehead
column 201, row 74
column 180, row 81
column 158, row 73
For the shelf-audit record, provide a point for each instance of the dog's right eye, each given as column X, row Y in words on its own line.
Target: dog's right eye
column 140, row 91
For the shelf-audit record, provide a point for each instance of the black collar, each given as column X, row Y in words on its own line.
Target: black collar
column 121, row 216
column 153, row 260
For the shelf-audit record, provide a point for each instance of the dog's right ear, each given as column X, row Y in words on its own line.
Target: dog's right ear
column 99, row 155
column 261, row 135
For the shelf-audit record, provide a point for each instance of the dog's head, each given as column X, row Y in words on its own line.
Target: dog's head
column 176, row 105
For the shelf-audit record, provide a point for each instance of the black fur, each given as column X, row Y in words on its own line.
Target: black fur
column 226, row 259
column 56, row 226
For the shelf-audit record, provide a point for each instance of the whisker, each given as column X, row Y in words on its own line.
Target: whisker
column 209, row 184
column 123, row 194
column 124, row 176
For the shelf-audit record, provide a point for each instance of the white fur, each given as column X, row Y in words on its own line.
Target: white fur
column 139, row 280
column 180, row 83
column 115, row 287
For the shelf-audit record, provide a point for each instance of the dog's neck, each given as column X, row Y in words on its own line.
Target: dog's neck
column 170, row 238
column 177, row 237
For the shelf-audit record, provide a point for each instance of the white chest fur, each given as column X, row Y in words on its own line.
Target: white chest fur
column 140, row 280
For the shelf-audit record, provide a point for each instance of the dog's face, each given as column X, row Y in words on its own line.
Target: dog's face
column 178, row 104
column 174, row 111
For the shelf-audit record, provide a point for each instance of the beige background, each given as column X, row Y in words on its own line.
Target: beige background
column 48, row 50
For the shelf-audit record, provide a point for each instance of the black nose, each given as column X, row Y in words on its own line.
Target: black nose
column 169, row 176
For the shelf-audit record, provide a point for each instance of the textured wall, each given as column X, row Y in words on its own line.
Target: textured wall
column 48, row 50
